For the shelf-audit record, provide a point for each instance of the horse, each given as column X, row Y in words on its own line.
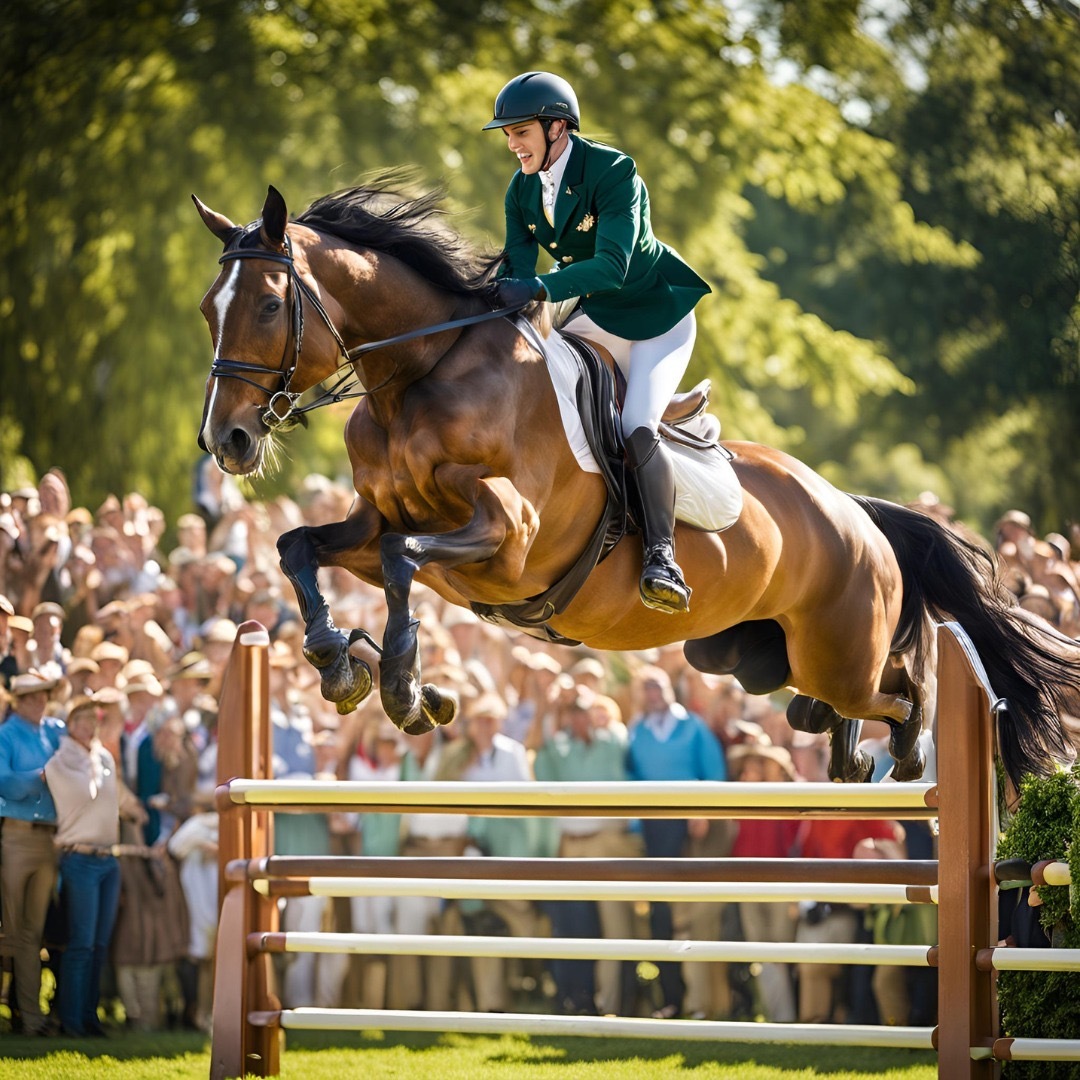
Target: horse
column 465, row 482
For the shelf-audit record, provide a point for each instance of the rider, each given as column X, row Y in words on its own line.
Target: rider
column 584, row 204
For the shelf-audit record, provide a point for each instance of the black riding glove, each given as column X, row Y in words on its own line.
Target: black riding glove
column 517, row 292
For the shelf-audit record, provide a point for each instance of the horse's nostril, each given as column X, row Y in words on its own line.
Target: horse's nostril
column 239, row 443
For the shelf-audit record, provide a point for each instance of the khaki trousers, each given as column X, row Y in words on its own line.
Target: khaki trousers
column 27, row 880
column 616, row 916
column 421, row 981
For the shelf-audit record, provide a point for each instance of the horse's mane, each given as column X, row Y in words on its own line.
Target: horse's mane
column 382, row 215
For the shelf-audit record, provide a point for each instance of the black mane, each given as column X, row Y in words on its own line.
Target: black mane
column 379, row 215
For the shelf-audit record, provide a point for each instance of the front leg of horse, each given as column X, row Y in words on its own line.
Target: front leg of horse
column 345, row 680
column 503, row 525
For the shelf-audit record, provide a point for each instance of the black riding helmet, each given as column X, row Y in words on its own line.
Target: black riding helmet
column 536, row 95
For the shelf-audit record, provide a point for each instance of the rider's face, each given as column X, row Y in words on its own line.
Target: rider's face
column 528, row 144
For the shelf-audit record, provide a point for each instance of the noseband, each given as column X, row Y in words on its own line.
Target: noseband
column 283, row 411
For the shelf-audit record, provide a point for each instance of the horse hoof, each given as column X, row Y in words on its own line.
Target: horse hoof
column 346, row 683
column 438, row 707
column 911, row 767
column 858, row 769
column 420, row 726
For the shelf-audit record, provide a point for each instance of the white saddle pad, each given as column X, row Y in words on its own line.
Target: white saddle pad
column 707, row 491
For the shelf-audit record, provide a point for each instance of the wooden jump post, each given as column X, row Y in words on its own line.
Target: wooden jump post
column 247, row 1016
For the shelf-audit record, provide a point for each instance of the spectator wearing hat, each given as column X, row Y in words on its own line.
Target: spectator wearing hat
column 585, row 751
column 28, row 738
column 532, row 675
column 148, row 640
column 48, row 620
column 187, row 680
column 144, row 693
column 23, row 650
column 758, row 761
column 669, row 743
column 217, row 643
column 110, row 659
column 81, row 674
column 82, row 778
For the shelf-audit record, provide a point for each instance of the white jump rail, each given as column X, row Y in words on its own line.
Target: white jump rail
column 906, row 1038
column 634, row 949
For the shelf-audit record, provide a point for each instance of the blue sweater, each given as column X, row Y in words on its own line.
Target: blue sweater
column 691, row 753
column 24, row 749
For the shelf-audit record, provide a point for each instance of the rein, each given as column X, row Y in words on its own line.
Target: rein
column 284, row 409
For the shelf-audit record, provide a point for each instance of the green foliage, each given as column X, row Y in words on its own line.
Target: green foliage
column 892, row 263
column 1046, row 825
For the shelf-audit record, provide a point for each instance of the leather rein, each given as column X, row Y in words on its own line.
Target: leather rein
column 284, row 409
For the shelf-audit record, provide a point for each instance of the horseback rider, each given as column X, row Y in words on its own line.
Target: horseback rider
column 584, row 203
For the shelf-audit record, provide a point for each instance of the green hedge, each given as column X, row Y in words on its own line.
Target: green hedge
column 1040, row 1004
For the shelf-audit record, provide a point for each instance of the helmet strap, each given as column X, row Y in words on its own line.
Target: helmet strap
column 546, row 125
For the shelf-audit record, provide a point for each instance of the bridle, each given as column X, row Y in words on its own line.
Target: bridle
column 284, row 409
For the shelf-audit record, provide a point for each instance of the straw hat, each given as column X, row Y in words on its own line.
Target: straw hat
column 31, row 682
column 21, row 622
column 222, row 631
column 737, row 755
column 82, row 704
column 109, row 650
column 47, row 607
column 146, row 684
column 82, row 663
column 112, row 610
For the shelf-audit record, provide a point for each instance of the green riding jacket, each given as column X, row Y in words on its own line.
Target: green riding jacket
column 630, row 284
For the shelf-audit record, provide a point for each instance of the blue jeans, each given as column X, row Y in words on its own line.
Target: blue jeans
column 90, row 890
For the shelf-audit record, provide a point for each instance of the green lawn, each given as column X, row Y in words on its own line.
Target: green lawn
column 328, row 1056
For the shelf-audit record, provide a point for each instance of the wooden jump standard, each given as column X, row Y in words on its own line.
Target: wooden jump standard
column 247, row 1015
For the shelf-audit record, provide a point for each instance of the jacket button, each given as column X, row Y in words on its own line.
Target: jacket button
column 568, row 258
column 553, row 244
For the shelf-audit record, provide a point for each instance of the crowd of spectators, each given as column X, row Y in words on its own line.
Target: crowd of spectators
column 115, row 630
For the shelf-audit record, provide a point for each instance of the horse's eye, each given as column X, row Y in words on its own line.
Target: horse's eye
column 271, row 307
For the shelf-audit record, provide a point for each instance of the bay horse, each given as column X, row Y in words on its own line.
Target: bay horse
column 466, row 482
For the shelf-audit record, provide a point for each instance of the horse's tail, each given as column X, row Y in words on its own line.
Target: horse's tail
column 1035, row 670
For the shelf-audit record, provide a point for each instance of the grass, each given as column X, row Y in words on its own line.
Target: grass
column 375, row 1056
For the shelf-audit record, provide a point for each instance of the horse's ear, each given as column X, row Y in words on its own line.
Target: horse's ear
column 217, row 223
column 275, row 217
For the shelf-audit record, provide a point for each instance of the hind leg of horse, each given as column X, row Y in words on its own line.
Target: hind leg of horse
column 847, row 763
column 502, row 529
column 345, row 679
column 754, row 652
column 904, row 746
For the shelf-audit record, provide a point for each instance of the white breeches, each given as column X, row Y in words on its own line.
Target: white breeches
column 653, row 368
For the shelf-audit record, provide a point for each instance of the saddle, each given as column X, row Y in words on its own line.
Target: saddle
column 691, row 437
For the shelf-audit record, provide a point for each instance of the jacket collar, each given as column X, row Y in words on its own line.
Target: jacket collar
column 568, row 197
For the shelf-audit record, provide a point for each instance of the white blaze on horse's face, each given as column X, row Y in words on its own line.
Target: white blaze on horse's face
column 222, row 300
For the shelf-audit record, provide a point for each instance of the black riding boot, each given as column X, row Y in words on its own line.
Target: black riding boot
column 662, row 584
